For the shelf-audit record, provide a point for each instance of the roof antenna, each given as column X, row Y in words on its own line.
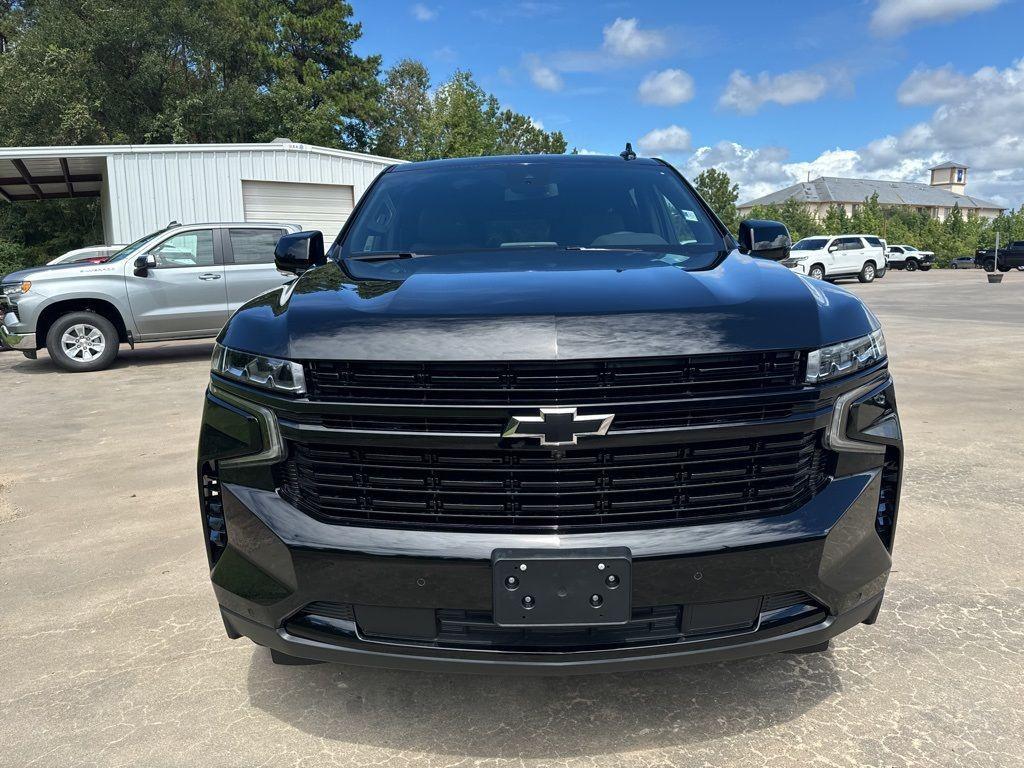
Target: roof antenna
column 628, row 153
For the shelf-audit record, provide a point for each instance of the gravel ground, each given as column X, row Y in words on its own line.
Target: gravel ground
column 113, row 651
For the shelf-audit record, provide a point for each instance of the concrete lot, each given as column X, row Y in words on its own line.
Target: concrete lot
column 113, row 652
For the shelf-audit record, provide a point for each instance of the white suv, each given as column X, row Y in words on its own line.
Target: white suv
column 827, row 257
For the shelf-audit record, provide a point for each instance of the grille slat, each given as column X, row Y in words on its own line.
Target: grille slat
column 553, row 491
column 552, row 382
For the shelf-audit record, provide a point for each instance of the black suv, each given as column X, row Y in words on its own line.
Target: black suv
column 1010, row 256
column 544, row 413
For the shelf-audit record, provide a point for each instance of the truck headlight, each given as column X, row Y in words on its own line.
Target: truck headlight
column 256, row 370
column 16, row 289
column 837, row 360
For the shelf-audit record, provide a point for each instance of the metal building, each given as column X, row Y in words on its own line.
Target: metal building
column 143, row 187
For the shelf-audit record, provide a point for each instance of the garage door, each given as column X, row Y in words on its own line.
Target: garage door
column 313, row 206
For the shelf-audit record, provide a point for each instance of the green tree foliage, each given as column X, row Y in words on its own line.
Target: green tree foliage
column 717, row 190
column 801, row 224
column 196, row 71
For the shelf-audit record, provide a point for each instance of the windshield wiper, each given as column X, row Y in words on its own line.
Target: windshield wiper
column 388, row 256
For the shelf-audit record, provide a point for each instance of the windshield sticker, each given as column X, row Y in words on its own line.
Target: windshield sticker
column 689, row 215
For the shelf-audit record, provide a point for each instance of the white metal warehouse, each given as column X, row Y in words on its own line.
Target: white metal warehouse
column 143, row 187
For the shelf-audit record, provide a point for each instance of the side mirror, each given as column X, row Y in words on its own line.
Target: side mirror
column 833, row 248
column 299, row 251
column 765, row 239
column 144, row 263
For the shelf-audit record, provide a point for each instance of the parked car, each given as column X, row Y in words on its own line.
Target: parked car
column 962, row 262
column 825, row 257
column 1010, row 256
column 545, row 414
column 181, row 282
column 910, row 258
column 94, row 254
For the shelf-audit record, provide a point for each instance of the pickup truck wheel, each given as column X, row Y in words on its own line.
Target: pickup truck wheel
column 817, row 272
column 990, row 266
column 82, row 341
column 1003, row 269
column 867, row 273
column 911, row 265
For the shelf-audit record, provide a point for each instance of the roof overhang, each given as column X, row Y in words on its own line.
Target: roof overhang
column 49, row 173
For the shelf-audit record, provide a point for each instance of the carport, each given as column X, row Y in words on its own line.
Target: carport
column 143, row 187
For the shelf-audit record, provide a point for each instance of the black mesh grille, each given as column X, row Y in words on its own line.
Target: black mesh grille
column 550, row 383
column 545, row 490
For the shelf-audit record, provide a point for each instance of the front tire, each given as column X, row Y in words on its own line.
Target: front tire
column 817, row 272
column 82, row 341
column 911, row 265
column 954, row 265
column 867, row 272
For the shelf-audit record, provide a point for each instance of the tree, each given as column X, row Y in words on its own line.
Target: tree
column 793, row 214
column 836, row 222
column 720, row 193
column 463, row 120
column 406, row 109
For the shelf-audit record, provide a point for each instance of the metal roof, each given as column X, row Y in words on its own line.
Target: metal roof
column 947, row 164
column 834, row 189
column 44, row 173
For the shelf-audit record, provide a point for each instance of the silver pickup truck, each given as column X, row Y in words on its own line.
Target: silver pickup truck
column 182, row 282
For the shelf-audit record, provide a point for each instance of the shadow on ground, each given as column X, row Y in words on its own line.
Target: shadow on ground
column 143, row 355
column 540, row 717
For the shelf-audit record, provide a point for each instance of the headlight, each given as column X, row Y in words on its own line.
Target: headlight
column 842, row 359
column 258, row 371
column 15, row 289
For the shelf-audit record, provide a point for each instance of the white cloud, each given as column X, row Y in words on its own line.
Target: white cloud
column 421, row 12
column 894, row 17
column 932, row 86
column 666, row 88
column 623, row 37
column 746, row 95
column 543, row 76
column 976, row 121
column 672, row 139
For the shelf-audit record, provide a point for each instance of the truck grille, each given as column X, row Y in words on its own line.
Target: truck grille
column 547, row 491
column 554, row 382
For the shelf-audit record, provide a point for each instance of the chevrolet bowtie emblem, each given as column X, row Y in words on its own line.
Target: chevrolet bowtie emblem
column 558, row 426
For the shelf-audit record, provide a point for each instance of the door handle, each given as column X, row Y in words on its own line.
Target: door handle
column 209, row 276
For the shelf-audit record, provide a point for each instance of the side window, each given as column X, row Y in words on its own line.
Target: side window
column 850, row 243
column 254, row 246
column 874, row 241
column 189, row 249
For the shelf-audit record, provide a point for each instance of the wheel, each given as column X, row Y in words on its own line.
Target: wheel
column 954, row 265
column 911, row 265
column 82, row 341
column 867, row 273
column 990, row 266
column 925, row 267
column 1003, row 268
column 817, row 272
column 1020, row 268
column 881, row 273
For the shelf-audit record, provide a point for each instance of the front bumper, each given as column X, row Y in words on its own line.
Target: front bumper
column 416, row 599
column 16, row 339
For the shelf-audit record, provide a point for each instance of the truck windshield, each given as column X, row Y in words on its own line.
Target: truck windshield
column 570, row 204
column 130, row 249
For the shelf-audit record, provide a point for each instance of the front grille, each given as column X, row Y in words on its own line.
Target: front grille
column 555, row 382
column 667, row 415
column 546, row 491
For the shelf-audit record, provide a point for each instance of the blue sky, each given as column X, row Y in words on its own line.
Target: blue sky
column 768, row 91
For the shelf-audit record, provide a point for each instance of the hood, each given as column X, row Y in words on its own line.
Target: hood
column 542, row 306
column 61, row 271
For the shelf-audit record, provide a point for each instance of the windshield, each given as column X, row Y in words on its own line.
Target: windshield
column 811, row 244
column 544, row 205
column 909, row 248
column 129, row 249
